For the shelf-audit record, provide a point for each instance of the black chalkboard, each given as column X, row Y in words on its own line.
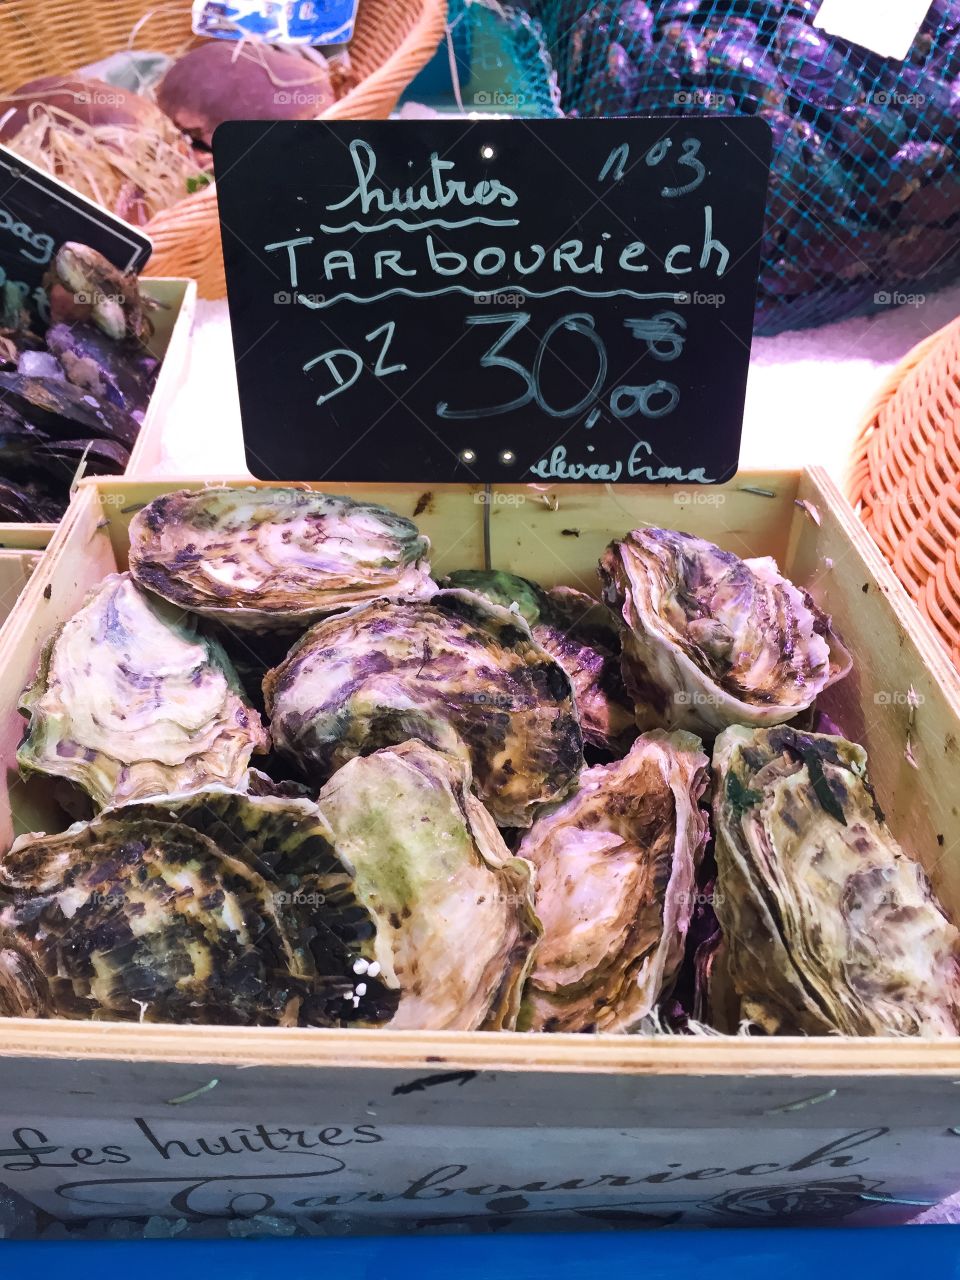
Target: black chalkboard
column 38, row 214
column 496, row 301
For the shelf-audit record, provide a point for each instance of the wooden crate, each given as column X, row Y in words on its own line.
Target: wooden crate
column 503, row 1130
column 15, row 570
column 173, row 324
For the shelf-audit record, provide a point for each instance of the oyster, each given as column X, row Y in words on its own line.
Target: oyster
column 829, row 925
column 62, row 410
column 616, row 886
column 118, row 373
column 712, row 640
column 113, row 298
column 32, row 455
column 458, row 672
column 129, row 702
column 274, row 558
column 582, row 635
column 455, row 918
column 188, row 909
column 28, row 502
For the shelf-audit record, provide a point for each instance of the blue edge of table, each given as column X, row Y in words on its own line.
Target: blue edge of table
column 881, row 1253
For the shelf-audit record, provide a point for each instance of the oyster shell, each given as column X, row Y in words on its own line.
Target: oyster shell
column 616, row 887
column 63, row 411
column 456, row 925
column 456, row 671
column 214, row 907
column 829, row 925
column 117, row 306
column 274, row 558
column 582, row 635
column 119, row 373
column 129, row 702
column 713, row 640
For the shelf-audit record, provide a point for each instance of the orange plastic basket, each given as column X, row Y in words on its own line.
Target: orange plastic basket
column 905, row 478
column 393, row 40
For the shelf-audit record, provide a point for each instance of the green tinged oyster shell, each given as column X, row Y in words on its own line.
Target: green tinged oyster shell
column 210, row 908
column 712, row 640
column 456, row 925
column 274, row 558
column 829, row 925
column 457, row 672
column 582, row 635
column 616, row 887
column 130, row 702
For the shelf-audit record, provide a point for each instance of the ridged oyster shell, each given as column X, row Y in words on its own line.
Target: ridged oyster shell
column 456, row 925
column 616, row 885
column 582, row 635
column 274, row 558
column 829, row 925
column 455, row 671
column 130, row 702
column 214, row 907
column 711, row 640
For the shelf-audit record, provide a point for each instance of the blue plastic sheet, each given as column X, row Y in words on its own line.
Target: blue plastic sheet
column 928, row 1253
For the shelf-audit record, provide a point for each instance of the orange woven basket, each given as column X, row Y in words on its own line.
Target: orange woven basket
column 906, row 478
column 393, row 40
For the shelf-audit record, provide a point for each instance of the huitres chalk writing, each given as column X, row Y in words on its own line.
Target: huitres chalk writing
column 430, row 261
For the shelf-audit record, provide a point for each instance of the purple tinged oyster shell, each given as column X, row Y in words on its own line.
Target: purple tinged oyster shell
column 582, row 635
column 459, row 673
column 616, row 887
column 711, row 640
column 213, row 907
column 122, row 374
column 274, row 558
column 130, row 702
column 829, row 925
column 456, row 925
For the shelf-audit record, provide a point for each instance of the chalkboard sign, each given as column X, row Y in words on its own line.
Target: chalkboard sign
column 496, row 301
column 38, row 214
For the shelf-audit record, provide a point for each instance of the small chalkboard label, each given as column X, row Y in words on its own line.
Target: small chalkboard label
column 496, row 301
column 38, row 214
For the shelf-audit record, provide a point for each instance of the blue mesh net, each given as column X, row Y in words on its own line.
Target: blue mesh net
column 864, row 202
column 502, row 60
